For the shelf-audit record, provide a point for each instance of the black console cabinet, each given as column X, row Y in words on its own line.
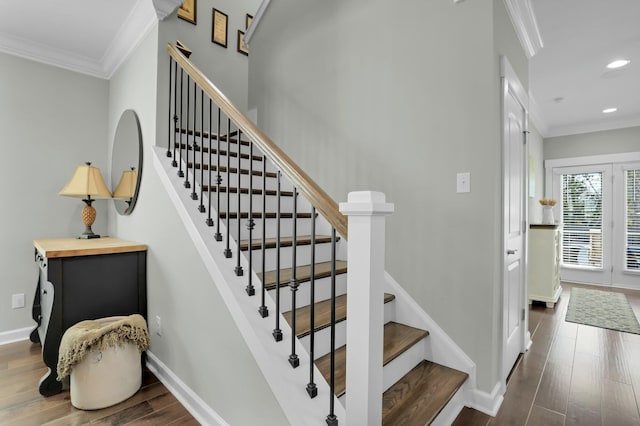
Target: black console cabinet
column 79, row 280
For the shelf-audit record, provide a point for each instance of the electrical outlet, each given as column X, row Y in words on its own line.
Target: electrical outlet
column 17, row 301
column 158, row 325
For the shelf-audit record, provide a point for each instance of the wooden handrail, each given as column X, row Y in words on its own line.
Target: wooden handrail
column 319, row 199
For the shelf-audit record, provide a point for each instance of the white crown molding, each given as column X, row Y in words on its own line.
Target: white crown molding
column 592, row 127
column 50, row 55
column 130, row 34
column 132, row 31
column 165, row 8
column 524, row 22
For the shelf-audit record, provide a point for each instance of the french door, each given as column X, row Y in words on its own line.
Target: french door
column 599, row 208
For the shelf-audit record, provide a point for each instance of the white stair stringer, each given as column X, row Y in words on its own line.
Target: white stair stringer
column 286, row 383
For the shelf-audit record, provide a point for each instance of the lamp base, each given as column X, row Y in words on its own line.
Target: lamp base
column 88, row 236
column 88, row 215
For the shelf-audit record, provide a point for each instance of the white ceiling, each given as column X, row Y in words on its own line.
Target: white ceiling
column 579, row 36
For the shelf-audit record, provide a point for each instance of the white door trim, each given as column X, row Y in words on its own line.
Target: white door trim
column 511, row 86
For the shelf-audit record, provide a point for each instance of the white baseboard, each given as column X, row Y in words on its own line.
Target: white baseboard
column 12, row 336
column 488, row 403
column 188, row 398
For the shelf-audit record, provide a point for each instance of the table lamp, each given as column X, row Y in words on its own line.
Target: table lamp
column 87, row 184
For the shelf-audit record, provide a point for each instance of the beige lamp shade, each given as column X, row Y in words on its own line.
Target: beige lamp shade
column 127, row 186
column 86, row 182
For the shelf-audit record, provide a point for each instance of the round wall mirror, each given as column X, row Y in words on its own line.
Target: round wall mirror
column 126, row 162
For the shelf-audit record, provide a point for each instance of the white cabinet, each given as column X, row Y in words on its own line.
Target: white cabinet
column 544, row 264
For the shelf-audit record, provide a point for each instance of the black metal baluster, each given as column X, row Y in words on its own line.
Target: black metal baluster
column 169, row 103
column 293, row 285
column 312, row 389
column 180, row 172
column 277, row 333
column 238, row 268
column 218, row 236
column 174, row 163
column 332, row 420
column 201, row 208
column 209, row 219
column 227, row 251
column 186, row 145
column 263, row 310
column 251, row 224
column 194, row 145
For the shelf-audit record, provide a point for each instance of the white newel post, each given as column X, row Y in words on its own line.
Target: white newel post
column 366, row 211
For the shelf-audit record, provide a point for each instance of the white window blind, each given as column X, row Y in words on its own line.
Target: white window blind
column 633, row 219
column 582, row 220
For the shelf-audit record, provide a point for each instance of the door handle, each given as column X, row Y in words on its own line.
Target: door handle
column 510, row 251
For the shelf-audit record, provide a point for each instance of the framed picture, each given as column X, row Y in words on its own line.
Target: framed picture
column 187, row 11
column 242, row 47
column 247, row 21
column 219, row 25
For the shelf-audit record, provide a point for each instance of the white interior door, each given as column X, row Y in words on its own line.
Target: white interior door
column 514, row 220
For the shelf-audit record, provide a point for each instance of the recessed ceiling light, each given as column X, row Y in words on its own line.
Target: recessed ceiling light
column 609, row 110
column 618, row 63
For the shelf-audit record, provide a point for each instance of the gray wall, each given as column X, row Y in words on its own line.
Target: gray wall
column 595, row 143
column 200, row 341
column 536, row 159
column 368, row 96
column 52, row 120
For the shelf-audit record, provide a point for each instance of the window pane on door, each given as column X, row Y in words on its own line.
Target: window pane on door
column 582, row 220
column 633, row 219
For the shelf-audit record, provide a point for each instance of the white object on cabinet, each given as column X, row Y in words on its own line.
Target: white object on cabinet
column 544, row 264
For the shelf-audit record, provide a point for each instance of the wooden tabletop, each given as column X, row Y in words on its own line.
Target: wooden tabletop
column 68, row 247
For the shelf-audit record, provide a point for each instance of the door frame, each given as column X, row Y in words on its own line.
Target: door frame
column 511, row 86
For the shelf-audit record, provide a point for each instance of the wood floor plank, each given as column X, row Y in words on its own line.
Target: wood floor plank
column 543, row 417
column 618, row 404
column 614, row 359
column 22, row 404
column 553, row 391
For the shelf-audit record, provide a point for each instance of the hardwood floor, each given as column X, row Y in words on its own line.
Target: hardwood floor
column 21, row 367
column 573, row 374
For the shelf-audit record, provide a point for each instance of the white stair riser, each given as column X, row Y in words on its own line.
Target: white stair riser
column 404, row 363
column 303, row 256
column 323, row 292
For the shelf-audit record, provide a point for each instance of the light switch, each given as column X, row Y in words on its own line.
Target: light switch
column 463, row 182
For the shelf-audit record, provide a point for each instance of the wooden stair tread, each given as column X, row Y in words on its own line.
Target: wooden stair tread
column 223, row 138
column 301, row 240
column 232, row 170
column 397, row 339
column 322, row 314
column 268, row 215
column 214, row 151
column 303, row 273
column 419, row 396
column 234, row 190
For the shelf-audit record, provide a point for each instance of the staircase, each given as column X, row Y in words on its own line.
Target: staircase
column 290, row 250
